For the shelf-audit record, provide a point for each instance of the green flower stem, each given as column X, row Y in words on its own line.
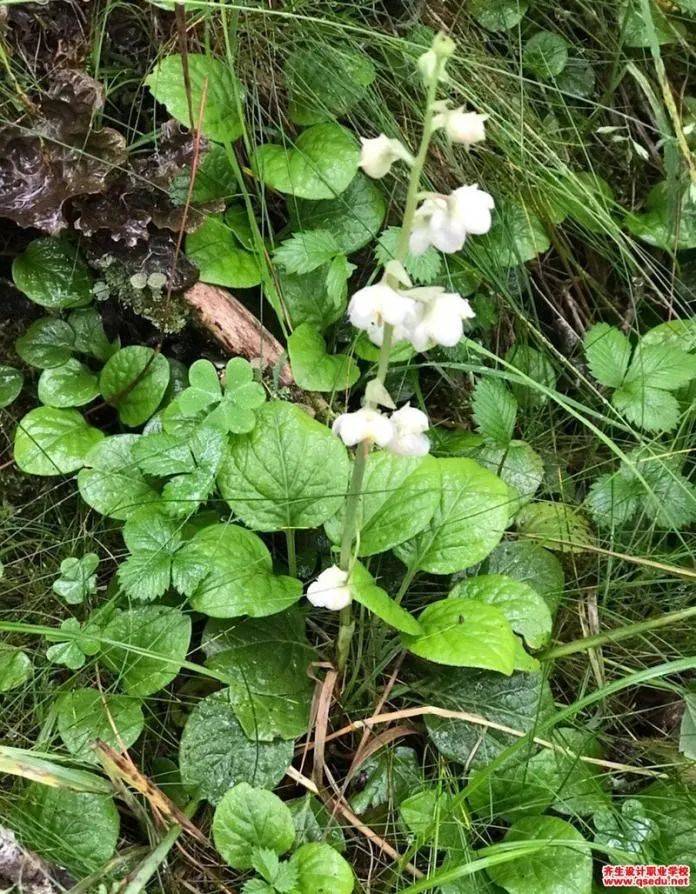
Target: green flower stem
column 292, row 552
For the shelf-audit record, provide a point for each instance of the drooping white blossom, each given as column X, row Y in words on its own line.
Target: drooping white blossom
column 440, row 318
column 445, row 221
column 364, row 424
column 330, row 590
column 370, row 308
column 462, row 127
column 410, row 425
column 378, row 154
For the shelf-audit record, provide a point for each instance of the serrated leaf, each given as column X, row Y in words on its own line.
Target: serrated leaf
column 51, row 441
column 653, row 409
column 248, row 820
column 305, row 251
column 51, row 273
column 134, row 381
column 536, row 366
column 519, row 466
column 661, row 366
column 422, row 269
column 495, row 410
column 326, row 81
column 613, row 500
column 516, row 236
column 608, row 352
column 313, row 368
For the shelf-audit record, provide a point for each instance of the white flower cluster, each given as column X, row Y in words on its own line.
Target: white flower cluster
column 403, row 432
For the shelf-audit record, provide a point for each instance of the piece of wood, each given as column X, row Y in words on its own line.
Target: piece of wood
column 236, row 328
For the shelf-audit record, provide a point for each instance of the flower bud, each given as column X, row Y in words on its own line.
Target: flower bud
column 462, row 127
column 378, row 154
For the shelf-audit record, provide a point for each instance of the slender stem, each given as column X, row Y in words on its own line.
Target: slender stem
column 292, row 552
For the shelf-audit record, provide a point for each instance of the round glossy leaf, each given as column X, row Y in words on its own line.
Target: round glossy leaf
column 134, row 380
column 321, row 869
column 11, row 381
column 219, row 258
column 50, row 441
column 498, row 15
column 47, row 343
column 15, row 668
column 313, row 368
column 71, row 385
column 545, row 54
column 112, row 483
column 85, row 715
column 530, row 564
column 52, row 274
column 325, row 80
column 249, row 818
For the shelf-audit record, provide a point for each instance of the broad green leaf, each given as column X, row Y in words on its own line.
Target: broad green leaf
column 630, row 831
column 613, row 499
column 518, row 465
column 51, row 273
column 15, row 667
column 78, row 830
column 687, row 730
column 555, row 526
column 219, row 258
column 240, row 578
column 530, row 564
column 215, row 179
column 498, row 15
column 518, row 702
column 247, row 819
column 215, row 754
column 353, row 218
column 112, row 483
column 319, row 165
column 669, row 221
column 495, row 410
column 677, row 333
column 314, row 822
column 77, row 578
column 153, row 642
column 47, row 343
column 266, row 665
column 71, row 385
column 308, row 299
column 432, row 817
column 399, row 496
column 524, row 608
column 313, row 368
column 661, row 366
column 637, row 32
column 536, row 366
column 134, row 380
column 563, row 866
column 321, row 869
column 162, row 454
column 577, row 78
column 49, row 441
column 11, row 381
column 421, row 268
column 464, row 633
column 468, row 521
column 653, row 409
column 365, row 591
column 608, row 352
column 390, row 775
column 289, row 472
column 85, row 715
column 90, row 338
column 517, row 235
column 214, row 94
column 326, row 81
column 305, row 251
column 672, row 807
column 545, row 54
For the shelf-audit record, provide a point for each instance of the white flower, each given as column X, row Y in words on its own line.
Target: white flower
column 330, row 590
column 379, row 154
column 363, row 425
column 445, row 221
column 440, row 319
column 370, row 308
column 460, row 126
column 409, row 439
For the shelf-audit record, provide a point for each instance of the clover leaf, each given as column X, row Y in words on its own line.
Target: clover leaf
column 72, row 651
column 231, row 409
column 77, row 578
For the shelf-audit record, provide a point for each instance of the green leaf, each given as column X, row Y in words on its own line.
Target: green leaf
column 247, row 819
column 530, row 564
column 153, row 541
column 215, row 754
column 669, row 221
column 320, row 165
column 390, row 775
column 577, row 78
column 305, row 251
column 47, row 343
column 321, row 869
column 677, row 333
column 629, row 831
column 524, row 608
column 78, row 830
column 309, row 300
column 11, row 381
column 53, row 442
column 112, row 483
column 536, row 366
column 545, row 54
column 517, row 235
column 326, row 81
column 314, row 822
column 468, row 521
column 365, row 591
column 498, row 15
column 555, row 526
column 464, row 633
column 85, row 715
column 432, row 816
column 232, row 411
column 77, row 578
column 353, row 218
column 51, row 273
column 563, row 866
column 215, row 179
column 672, row 807
column 608, row 352
column 588, row 199
column 495, row 410
column 313, row 368
column 670, row 498
column 687, row 730
column 240, row 578
column 637, row 32
column 134, row 380
column 519, row 466
column 71, row 385
column 653, row 409
column 162, row 454
column 266, row 665
column 153, row 642
column 214, row 93
column 15, row 667
column 661, row 366
column 90, row 338
column 422, row 269
column 613, row 499
column 72, row 651
column 220, row 260
column 289, row 472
